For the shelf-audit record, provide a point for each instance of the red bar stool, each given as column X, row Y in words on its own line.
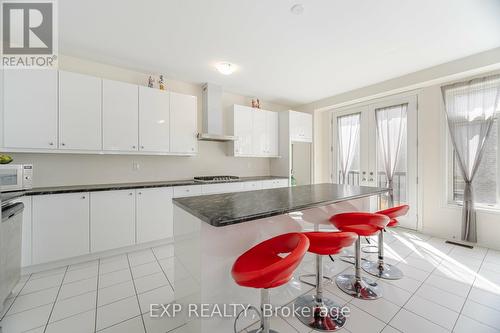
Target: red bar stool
column 322, row 313
column 264, row 266
column 379, row 268
column 363, row 224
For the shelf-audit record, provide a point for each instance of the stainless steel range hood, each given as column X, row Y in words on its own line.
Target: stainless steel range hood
column 213, row 125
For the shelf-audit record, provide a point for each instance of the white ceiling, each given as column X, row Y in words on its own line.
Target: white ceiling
column 334, row 46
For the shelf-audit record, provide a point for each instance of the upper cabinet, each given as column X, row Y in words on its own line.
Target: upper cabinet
column 79, row 111
column 154, row 120
column 256, row 131
column 30, row 108
column 183, row 123
column 57, row 111
column 301, row 127
column 120, row 116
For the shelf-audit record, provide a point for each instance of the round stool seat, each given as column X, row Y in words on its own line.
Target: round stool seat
column 327, row 243
column 393, row 213
column 266, row 265
column 363, row 224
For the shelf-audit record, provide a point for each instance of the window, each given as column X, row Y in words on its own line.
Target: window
column 486, row 183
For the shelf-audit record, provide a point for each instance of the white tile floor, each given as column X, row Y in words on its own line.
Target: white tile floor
column 446, row 288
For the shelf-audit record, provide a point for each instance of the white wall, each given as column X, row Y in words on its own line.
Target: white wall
column 63, row 169
column 436, row 216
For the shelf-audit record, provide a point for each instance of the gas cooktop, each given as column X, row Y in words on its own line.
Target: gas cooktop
column 216, row 179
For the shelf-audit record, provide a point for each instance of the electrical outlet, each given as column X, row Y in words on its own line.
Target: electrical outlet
column 136, row 166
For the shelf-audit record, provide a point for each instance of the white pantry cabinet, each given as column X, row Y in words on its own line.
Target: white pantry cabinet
column 120, row 116
column 60, row 226
column 272, row 134
column 112, row 219
column 301, row 126
column 183, row 123
column 79, row 111
column 154, row 120
column 30, row 108
column 154, row 214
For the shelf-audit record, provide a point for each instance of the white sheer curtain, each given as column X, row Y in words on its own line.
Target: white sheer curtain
column 470, row 109
column 391, row 124
column 348, row 140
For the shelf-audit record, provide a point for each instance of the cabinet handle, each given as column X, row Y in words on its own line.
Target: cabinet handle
column 140, row 193
column 363, row 179
column 371, row 179
column 63, row 144
column 83, row 197
column 142, row 147
column 130, row 193
column 51, row 143
column 133, row 147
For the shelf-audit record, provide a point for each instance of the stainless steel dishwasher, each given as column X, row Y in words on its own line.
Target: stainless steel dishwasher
column 10, row 248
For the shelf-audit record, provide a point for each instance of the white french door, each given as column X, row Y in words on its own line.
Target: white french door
column 359, row 157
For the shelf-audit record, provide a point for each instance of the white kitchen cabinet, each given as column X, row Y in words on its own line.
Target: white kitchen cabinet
column 183, row 123
column 30, row 108
column 251, row 186
column 120, row 116
column 60, row 226
column 79, row 111
column 112, row 219
column 154, row 214
column 243, row 130
column 154, row 120
column 301, row 127
column 274, row 183
column 272, row 135
column 259, row 133
column 221, row 188
column 187, row 191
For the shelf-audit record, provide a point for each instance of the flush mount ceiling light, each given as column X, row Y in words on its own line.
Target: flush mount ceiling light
column 297, row 9
column 225, row 67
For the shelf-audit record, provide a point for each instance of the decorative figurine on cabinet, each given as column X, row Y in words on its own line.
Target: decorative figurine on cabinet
column 151, row 82
column 161, row 82
column 256, row 103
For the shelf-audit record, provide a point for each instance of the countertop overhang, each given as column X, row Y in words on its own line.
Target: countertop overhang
column 230, row 208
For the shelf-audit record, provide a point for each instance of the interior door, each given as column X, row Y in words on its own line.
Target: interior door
column 358, row 156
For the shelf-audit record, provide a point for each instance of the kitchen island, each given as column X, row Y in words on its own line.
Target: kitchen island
column 211, row 231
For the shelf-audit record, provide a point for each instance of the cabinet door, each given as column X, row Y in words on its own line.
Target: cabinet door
column 120, row 116
column 272, row 134
column 112, row 219
column 30, row 108
column 183, row 123
column 154, row 120
column 280, row 183
column 154, row 214
column 60, row 226
column 307, row 126
column 79, row 111
column 259, row 139
column 187, row 191
column 221, row 188
column 243, row 130
column 26, row 231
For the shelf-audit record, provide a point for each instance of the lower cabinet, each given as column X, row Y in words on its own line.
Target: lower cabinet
column 112, row 219
column 154, row 214
column 60, row 226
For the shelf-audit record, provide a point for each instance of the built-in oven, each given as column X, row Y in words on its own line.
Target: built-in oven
column 16, row 177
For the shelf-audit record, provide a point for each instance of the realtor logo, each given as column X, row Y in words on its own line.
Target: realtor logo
column 28, row 34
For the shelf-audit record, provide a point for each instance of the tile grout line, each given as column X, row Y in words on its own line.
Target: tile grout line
column 136, row 295
column 470, row 290
column 161, row 267
column 15, row 297
column 55, row 300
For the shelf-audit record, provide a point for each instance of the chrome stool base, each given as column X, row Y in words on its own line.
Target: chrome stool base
column 360, row 288
column 323, row 316
column 384, row 271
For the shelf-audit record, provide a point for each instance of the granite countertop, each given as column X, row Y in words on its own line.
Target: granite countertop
column 231, row 208
column 6, row 196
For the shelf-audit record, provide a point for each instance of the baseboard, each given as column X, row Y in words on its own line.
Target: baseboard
column 92, row 256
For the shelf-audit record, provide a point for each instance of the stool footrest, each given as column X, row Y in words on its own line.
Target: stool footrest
column 301, row 279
